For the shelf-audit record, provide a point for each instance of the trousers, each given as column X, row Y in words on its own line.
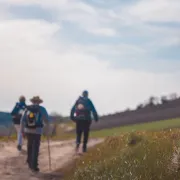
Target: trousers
column 19, row 134
column 82, row 128
column 33, row 145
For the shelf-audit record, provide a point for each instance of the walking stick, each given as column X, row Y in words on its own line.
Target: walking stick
column 49, row 152
column 10, row 131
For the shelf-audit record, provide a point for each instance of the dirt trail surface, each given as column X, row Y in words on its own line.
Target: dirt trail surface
column 13, row 163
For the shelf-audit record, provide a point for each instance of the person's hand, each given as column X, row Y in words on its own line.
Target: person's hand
column 73, row 119
column 96, row 120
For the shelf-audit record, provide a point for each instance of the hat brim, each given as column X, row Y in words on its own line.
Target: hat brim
column 36, row 101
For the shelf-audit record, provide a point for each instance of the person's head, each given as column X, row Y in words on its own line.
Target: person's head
column 22, row 99
column 85, row 93
column 36, row 100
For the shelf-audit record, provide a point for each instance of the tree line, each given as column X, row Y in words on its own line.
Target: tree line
column 154, row 101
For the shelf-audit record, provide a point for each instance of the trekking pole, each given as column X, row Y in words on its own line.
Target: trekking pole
column 10, row 131
column 49, row 152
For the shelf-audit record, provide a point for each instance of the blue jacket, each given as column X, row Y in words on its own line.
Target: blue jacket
column 44, row 118
column 16, row 114
column 90, row 107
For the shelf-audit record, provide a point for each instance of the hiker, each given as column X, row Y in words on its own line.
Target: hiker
column 82, row 109
column 16, row 117
column 32, row 123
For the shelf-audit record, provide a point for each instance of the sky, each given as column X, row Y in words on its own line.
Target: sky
column 122, row 52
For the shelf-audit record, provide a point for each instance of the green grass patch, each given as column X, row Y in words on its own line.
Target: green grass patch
column 131, row 156
column 70, row 123
column 152, row 126
column 158, row 125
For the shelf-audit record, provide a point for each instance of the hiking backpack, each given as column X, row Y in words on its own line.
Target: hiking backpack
column 33, row 117
column 82, row 111
column 17, row 112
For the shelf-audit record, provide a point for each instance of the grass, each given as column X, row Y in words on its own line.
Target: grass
column 70, row 123
column 131, row 156
column 159, row 125
column 137, row 152
column 6, row 138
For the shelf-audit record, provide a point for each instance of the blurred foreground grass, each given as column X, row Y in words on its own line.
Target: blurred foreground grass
column 130, row 156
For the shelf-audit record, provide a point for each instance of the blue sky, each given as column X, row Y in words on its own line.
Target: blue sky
column 113, row 46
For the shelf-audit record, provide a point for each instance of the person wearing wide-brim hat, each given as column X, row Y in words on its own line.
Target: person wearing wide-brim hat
column 16, row 117
column 36, row 100
column 32, row 124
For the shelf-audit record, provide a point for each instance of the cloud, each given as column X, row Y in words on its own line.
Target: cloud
column 103, row 31
column 38, row 58
column 33, row 64
column 122, row 19
column 89, row 18
column 156, row 10
column 115, row 49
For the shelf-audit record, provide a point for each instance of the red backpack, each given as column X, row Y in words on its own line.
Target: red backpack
column 82, row 110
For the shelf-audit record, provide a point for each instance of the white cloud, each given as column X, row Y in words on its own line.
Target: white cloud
column 108, row 22
column 91, row 19
column 32, row 63
column 119, row 50
column 156, row 10
column 103, row 31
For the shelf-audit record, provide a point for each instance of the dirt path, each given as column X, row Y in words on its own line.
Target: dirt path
column 13, row 163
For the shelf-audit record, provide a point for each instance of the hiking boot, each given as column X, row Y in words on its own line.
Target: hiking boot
column 29, row 165
column 19, row 147
column 84, row 149
column 77, row 149
column 36, row 169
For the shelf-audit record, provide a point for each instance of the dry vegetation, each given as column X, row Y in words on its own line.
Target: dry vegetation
column 131, row 156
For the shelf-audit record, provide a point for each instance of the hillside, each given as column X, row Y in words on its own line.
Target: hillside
column 5, row 119
column 168, row 110
column 6, row 123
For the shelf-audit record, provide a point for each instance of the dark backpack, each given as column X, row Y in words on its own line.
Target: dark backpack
column 33, row 117
column 82, row 109
column 17, row 112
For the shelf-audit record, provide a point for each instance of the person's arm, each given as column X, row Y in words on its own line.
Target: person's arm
column 46, row 120
column 73, row 111
column 13, row 112
column 45, row 116
column 93, row 109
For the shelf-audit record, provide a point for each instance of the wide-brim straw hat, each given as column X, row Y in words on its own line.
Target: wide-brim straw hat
column 36, row 99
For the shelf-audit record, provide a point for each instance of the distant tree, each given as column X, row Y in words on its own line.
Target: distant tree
column 58, row 117
column 152, row 101
column 164, row 100
column 127, row 110
column 173, row 96
column 140, row 106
